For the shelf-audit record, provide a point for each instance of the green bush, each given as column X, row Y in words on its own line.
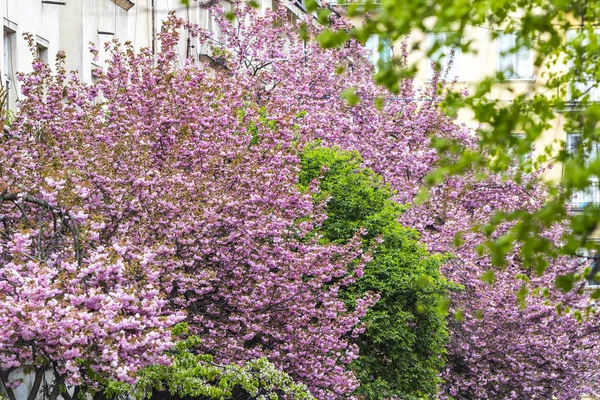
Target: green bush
column 199, row 377
column 403, row 347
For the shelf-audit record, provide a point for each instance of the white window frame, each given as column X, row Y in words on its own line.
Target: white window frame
column 375, row 55
column 10, row 62
column 582, row 198
column 594, row 92
column 508, row 62
column 442, row 56
column 590, row 259
column 42, row 48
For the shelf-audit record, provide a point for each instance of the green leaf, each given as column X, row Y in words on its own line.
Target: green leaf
column 350, row 96
column 230, row 16
column 323, row 15
column 379, row 103
column 311, row 5
column 303, row 32
column 522, row 296
column 488, row 277
column 565, row 282
column 443, row 305
column 329, row 38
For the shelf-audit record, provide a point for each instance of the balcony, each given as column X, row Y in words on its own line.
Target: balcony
column 586, row 88
column 590, row 195
column 345, row 3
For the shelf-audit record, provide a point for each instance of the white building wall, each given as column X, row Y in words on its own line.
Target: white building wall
column 73, row 26
column 18, row 17
column 86, row 22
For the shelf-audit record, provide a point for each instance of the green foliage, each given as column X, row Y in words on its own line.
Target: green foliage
column 565, row 282
column 565, row 43
column 229, row 15
column 198, row 376
column 254, row 125
column 350, row 96
column 488, row 277
column 329, row 38
column 402, row 348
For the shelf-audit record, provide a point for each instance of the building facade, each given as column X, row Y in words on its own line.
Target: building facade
column 74, row 25
column 522, row 77
column 19, row 16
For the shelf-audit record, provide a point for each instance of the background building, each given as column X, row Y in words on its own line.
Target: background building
column 20, row 16
column 72, row 25
column 522, row 78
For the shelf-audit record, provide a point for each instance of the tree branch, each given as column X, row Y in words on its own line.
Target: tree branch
column 65, row 216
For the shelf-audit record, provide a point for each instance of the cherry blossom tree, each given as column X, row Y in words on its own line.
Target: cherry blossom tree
column 169, row 192
column 72, row 301
column 164, row 199
column 503, row 343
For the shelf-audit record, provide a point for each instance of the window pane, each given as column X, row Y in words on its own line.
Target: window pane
column 573, row 142
column 585, row 86
column 514, row 65
column 505, row 59
column 444, row 54
column 386, row 51
column 372, row 48
column 591, row 194
column 524, row 67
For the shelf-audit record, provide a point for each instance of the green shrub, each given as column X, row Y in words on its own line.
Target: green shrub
column 403, row 347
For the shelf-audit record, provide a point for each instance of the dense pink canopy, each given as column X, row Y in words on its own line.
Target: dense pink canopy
column 503, row 349
column 168, row 192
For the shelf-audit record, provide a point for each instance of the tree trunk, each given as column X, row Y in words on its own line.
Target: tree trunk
column 4, row 379
column 39, row 374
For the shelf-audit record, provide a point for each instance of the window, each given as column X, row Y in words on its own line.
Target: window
column 592, row 261
column 444, row 54
column 42, row 53
column 8, row 72
column 521, row 159
column 378, row 50
column 582, row 86
column 575, row 144
column 42, row 49
column 514, row 65
column 591, row 194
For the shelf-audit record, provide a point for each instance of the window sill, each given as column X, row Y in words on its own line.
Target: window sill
column 533, row 79
column 591, row 287
column 428, row 80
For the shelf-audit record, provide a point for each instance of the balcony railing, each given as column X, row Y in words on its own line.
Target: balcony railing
column 590, row 195
column 586, row 88
column 345, row 3
column 590, row 260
